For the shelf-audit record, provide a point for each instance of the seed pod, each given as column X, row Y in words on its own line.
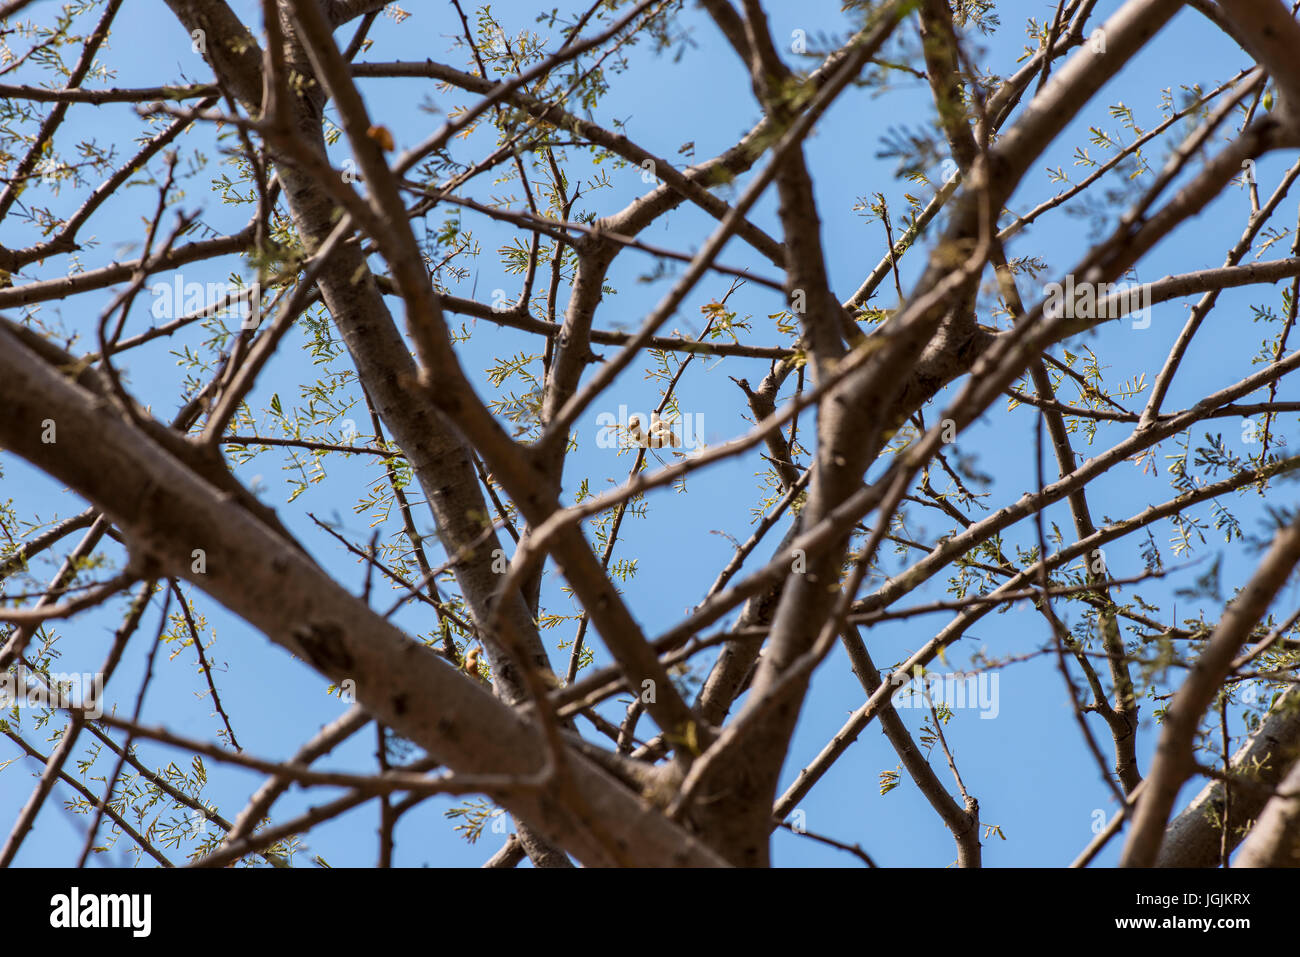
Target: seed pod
column 381, row 136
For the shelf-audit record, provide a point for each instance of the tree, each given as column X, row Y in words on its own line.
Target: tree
column 346, row 341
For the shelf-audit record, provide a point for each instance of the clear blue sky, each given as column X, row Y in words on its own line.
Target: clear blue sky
column 1028, row 766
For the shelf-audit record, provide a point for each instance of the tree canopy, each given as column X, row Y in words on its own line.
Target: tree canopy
column 588, row 423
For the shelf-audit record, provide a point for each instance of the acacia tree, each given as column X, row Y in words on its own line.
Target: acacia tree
column 355, row 268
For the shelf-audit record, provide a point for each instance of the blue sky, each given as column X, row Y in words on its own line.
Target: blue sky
column 1028, row 766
